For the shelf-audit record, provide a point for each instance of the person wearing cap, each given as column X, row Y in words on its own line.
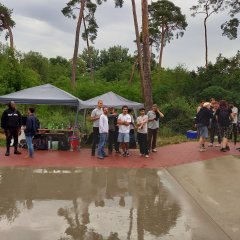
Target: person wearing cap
column 153, row 125
column 11, row 123
column 95, row 116
column 202, row 122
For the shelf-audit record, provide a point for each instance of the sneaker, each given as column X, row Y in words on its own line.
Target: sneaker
column 17, row 152
column 127, row 154
column 227, row 148
column 218, row 145
column 7, row 154
column 124, row 154
column 210, row 145
column 154, row 150
column 202, row 149
column 100, row 157
column 118, row 152
column 146, row 156
column 223, row 149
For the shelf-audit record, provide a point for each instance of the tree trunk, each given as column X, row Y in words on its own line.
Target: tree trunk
column 89, row 51
column 140, row 60
column 75, row 54
column 147, row 84
column 206, row 43
column 161, row 46
column 133, row 71
column 10, row 37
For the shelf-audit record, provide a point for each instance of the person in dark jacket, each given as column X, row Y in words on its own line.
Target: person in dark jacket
column 11, row 122
column 30, row 131
column 202, row 122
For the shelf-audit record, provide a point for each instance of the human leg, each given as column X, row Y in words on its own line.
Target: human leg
column 15, row 137
column 95, row 139
column 30, row 146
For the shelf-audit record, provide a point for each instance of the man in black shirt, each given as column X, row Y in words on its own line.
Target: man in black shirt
column 11, row 122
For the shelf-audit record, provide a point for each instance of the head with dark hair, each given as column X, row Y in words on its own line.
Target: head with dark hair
column 223, row 104
column 12, row 105
column 31, row 110
column 125, row 110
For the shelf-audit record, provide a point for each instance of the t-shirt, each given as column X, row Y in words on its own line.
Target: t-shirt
column 144, row 128
column 235, row 111
column 155, row 123
column 125, row 118
column 223, row 116
column 96, row 113
column 103, row 124
column 112, row 121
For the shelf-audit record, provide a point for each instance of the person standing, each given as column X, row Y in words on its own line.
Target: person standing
column 113, row 131
column 30, row 131
column 234, row 123
column 153, row 125
column 132, row 139
column 214, row 128
column 124, row 120
column 202, row 122
column 103, row 132
column 142, row 132
column 95, row 115
column 224, row 117
column 11, row 122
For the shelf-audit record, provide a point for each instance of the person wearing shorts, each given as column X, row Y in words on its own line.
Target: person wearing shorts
column 124, row 120
column 202, row 122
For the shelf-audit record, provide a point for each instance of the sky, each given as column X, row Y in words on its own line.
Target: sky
column 41, row 27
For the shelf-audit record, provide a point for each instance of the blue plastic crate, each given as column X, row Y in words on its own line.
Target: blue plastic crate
column 192, row 134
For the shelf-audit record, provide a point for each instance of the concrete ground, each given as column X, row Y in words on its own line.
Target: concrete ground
column 178, row 193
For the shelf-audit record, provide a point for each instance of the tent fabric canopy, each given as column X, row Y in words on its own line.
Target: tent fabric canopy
column 44, row 94
column 111, row 99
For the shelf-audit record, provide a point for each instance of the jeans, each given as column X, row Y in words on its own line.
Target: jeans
column 30, row 145
column 152, row 138
column 102, row 142
column 112, row 140
column 142, row 141
column 95, row 139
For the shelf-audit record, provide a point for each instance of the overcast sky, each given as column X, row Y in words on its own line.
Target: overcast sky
column 41, row 27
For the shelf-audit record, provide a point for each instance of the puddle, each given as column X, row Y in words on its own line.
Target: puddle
column 111, row 204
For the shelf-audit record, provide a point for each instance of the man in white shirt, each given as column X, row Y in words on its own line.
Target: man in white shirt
column 95, row 115
column 142, row 130
column 234, row 122
column 103, row 132
column 124, row 120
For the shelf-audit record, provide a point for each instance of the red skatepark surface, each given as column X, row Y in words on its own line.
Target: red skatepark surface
column 166, row 156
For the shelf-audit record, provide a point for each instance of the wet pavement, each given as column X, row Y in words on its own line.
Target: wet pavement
column 116, row 203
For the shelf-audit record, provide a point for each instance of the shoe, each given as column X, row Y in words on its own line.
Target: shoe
column 146, row 156
column 154, row 150
column 124, row 154
column 17, row 152
column 223, row 149
column 7, row 154
column 127, row 154
column 210, row 145
column 100, row 157
column 118, row 152
column 227, row 148
column 218, row 145
column 202, row 149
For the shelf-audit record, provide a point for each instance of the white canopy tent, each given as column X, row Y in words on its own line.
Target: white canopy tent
column 44, row 94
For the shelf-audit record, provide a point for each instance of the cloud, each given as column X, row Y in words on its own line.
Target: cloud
column 41, row 27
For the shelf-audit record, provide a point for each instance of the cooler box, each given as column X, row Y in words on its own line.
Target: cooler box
column 192, row 134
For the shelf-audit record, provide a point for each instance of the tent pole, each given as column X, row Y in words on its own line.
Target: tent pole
column 76, row 121
column 84, row 118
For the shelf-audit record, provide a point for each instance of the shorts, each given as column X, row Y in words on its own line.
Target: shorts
column 203, row 132
column 123, row 137
column 226, row 131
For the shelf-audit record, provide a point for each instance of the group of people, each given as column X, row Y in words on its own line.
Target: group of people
column 11, row 123
column 219, row 119
column 114, row 127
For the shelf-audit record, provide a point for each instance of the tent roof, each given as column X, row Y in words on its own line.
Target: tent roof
column 44, row 94
column 111, row 99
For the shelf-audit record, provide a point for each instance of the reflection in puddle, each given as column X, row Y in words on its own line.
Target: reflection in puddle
column 66, row 204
